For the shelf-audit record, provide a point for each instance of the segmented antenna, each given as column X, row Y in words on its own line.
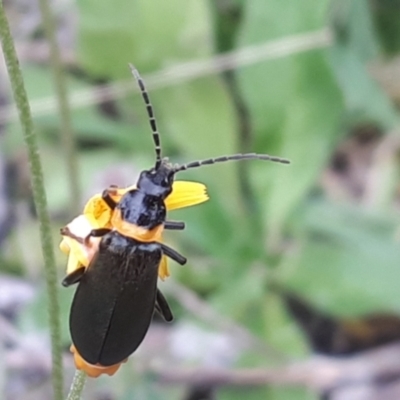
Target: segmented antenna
column 150, row 112
column 234, row 157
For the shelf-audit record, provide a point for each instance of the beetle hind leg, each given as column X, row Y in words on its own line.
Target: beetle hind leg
column 162, row 307
column 73, row 277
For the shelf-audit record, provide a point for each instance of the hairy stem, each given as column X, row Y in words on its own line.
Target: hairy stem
column 77, row 386
column 39, row 194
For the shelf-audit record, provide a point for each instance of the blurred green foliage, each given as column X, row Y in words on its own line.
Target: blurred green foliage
column 339, row 254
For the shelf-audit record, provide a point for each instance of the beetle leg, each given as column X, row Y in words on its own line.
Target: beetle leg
column 173, row 254
column 162, row 307
column 174, row 225
column 106, row 196
column 66, row 232
column 99, row 232
column 73, row 277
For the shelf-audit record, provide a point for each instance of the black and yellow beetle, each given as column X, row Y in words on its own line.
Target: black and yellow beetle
column 117, row 293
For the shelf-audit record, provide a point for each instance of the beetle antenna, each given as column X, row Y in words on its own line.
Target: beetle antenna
column 234, row 157
column 150, row 112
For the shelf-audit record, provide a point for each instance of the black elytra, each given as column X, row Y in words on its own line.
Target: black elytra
column 117, row 294
column 115, row 300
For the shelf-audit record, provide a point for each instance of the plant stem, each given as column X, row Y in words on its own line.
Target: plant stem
column 67, row 135
column 39, row 194
column 77, row 386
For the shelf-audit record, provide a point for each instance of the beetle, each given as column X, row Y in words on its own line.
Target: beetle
column 117, row 293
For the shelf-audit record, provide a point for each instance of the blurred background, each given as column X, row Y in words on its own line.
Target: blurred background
column 291, row 290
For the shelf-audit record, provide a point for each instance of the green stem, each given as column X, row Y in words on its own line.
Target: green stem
column 67, row 135
column 39, row 194
column 77, row 386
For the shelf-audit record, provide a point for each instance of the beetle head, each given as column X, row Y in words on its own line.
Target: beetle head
column 157, row 181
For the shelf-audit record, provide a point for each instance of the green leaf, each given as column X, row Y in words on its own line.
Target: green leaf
column 112, row 34
column 348, row 262
column 295, row 106
column 356, row 44
column 386, row 14
column 239, row 293
column 364, row 99
column 354, row 26
column 88, row 124
column 199, row 117
column 280, row 331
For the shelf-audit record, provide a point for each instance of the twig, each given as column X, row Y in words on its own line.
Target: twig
column 318, row 373
column 67, row 135
column 186, row 72
column 39, row 194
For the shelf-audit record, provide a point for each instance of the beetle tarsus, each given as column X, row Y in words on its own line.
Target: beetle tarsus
column 73, row 277
column 162, row 307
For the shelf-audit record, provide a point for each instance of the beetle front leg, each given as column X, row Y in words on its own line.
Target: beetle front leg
column 66, row 232
column 106, row 196
column 173, row 254
column 174, row 225
column 99, row 232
